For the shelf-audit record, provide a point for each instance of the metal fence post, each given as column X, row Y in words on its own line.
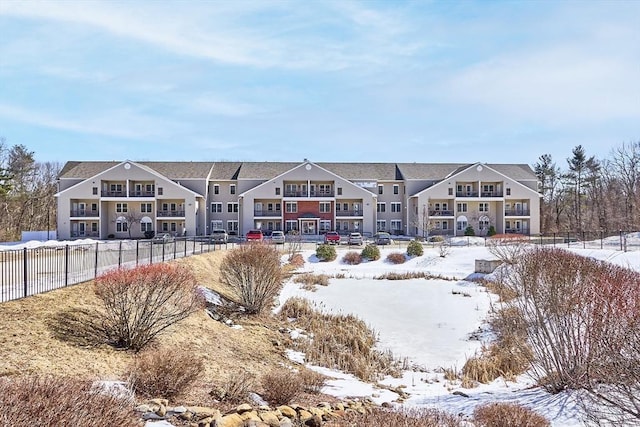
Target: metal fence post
column 162, row 251
column 620, row 239
column 25, row 275
column 568, row 240
column 137, row 251
column 95, row 270
column 175, row 243
column 66, row 265
column 584, row 244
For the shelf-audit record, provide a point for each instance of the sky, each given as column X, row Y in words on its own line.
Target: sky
column 368, row 81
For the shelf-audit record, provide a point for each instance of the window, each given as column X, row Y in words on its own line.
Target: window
column 339, row 191
column 381, row 225
column 345, row 207
column 450, row 191
column 216, row 188
column 291, row 207
column 173, row 226
column 216, row 207
column 232, row 189
column 380, row 189
column 159, row 191
column 232, row 207
column 508, row 191
column 94, row 207
column 232, row 226
column 116, row 188
column 146, row 208
column 94, row 227
column 459, row 188
column 325, row 189
column 396, row 225
column 396, row 207
column 325, row 225
column 278, row 206
column 483, row 207
column 462, row 207
column 145, row 226
column 291, row 225
column 95, row 190
column 396, row 189
column 382, row 207
column 483, row 223
column 277, row 191
column 437, row 207
column 121, row 207
column 165, row 226
column 445, row 225
column 121, row 225
column 325, row 207
column 216, row 225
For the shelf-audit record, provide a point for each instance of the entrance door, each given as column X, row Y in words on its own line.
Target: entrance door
column 308, row 227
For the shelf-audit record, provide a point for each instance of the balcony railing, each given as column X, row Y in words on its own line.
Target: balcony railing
column 441, row 213
column 491, row 194
column 523, row 230
column 349, row 213
column 466, row 194
column 170, row 213
column 319, row 193
column 517, row 212
column 142, row 194
column 106, row 193
column 316, row 193
column 85, row 234
column 267, row 213
column 84, row 213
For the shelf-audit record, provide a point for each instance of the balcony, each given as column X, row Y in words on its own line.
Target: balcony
column 523, row 230
column 441, row 213
column 168, row 213
column 349, row 213
column 491, row 194
column 316, row 193
column 85, row 234
column 517, row 212
column 267, row 213
column 84, row 213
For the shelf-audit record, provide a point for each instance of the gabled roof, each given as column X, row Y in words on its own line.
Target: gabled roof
column 225, row 171
column 171, row 170
column 429, row 171
column 519, row 172
column 265, row 170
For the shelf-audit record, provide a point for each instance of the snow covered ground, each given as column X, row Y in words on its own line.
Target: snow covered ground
column 430, row 322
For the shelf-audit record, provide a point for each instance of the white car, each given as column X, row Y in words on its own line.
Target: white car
column 219, row 236
column 355, row 239
column 277, row 237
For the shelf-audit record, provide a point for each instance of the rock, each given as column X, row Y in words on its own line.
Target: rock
column 287, row 411
column 459, row 393
column 304, row 415
column 285, row 422
column 314, row 421
column 270, row 418
column 245, row 407
column 231, row 420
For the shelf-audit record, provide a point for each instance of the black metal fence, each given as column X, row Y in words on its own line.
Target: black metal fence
column 30, row 271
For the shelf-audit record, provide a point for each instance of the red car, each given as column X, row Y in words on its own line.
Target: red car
column 254, row 236
column 332, row 238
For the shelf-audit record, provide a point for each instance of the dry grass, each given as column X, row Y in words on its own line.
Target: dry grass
column 341, row 341
column 281, row 386
column 396, row 258
column 28, row 343
column 296, row 260
column 310, row 281
column 352, row 258
column 507, row 415
column 407, row 275
column 235, row 388
column 61, row 401
column 403, row 418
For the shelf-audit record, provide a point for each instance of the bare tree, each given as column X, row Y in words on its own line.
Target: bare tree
column 625, row 164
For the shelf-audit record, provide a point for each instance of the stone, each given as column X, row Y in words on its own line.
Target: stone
column 286, row 422
column 270, row 418
column 314, row 421
column 245, row 407
column 287, row 411
column 231, row 420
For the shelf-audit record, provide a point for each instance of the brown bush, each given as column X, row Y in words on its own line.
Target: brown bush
column 309, row 280
column 281, row 386
column 296, row 260
column 507, row 415
column 235, row 388
column 396, row 258
column 140, row 303
column 352, row 258
column 56, row 401
column 254, row 272
column 164, row 373
column 424, row 417
column 312, row 382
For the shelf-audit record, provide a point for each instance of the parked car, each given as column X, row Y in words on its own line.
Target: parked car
column 254, row 236
column 382, row 238
column 355, row 239
column 277, row 237
column 219, row 236
column 163, row 238
column 332, row 238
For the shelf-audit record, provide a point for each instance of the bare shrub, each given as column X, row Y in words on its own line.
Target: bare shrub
column 444, row 250
column 396, row 258
column 341, row 341
column 140, row 303
column 352, row 258
column 420, row 417
column 235, row 388
column 583, row 318
column 394, row 275
column 312, row 381
column 164, row 373
column 504, row 292
column 508, row 248
column 507, row 415
column 296, row 260
column 294, row 243
column 254, row 272
column 57, row 401
column 281, row 386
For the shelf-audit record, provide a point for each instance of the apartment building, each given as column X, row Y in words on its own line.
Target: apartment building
column 128, row 199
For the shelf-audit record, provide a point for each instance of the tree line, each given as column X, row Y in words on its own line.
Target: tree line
column 27, row 192
column 587, row 194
